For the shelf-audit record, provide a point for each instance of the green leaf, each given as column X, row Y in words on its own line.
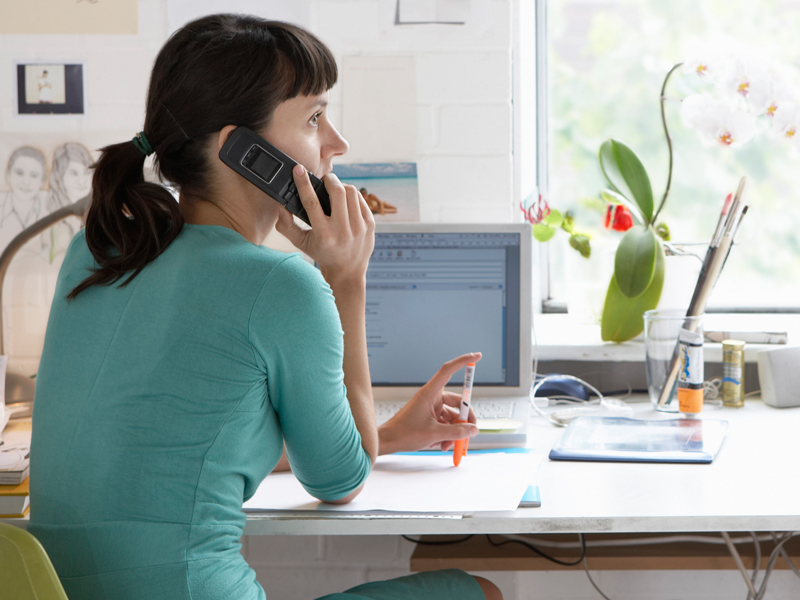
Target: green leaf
column 543, row 233
column 622, row 317
column 635, row 260
column 554, row 219
column 613, row 197
column 626, row 175
column 581, row 243
column 568, row 223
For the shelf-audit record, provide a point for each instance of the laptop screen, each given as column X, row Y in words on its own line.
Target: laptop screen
column 434, row 294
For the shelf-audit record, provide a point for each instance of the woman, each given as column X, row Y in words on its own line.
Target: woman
column 45, row 89
column 181, row 356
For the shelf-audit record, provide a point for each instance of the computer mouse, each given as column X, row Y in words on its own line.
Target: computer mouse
column 558, row 385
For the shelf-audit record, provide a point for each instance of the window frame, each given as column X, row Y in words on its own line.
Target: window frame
column 550, row 303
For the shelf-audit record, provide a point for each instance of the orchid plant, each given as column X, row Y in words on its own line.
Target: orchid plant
column 546, row 221
column 742, row 91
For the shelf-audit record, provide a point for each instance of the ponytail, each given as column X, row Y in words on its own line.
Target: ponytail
column 130, row 222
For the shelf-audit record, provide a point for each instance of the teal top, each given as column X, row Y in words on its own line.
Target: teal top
column 160, row 407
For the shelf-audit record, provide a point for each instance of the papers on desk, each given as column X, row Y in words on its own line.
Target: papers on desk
column 416, row 483
column 15, row 454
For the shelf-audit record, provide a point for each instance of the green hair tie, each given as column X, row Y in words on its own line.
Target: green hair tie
column 141, row 143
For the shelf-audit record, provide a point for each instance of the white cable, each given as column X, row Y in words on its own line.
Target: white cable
column 786, row 557
column 589, row 575
column 544, row 414
column 711, row 389
column 757, row 562
column 725, row 539
column 738, row 560
column 543, row 379
column 771, row 563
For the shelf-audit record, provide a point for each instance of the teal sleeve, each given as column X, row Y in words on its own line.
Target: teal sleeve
column 297, row 335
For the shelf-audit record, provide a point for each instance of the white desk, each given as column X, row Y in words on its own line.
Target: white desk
column 753, row 485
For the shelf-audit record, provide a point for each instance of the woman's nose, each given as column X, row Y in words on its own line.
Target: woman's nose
column 337, row 145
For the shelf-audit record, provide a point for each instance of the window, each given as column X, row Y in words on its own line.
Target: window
column 606, row 61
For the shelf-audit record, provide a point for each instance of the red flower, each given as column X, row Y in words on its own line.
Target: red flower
column 618, row 218
column 536, row 212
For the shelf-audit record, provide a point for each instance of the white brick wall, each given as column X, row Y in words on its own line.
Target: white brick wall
column 292, row 568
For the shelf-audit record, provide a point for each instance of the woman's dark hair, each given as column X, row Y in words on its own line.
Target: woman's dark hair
column 216, row 71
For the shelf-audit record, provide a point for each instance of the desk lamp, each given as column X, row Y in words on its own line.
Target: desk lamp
column 19, row 386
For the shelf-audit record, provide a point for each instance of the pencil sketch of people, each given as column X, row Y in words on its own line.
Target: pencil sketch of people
column 45, row 89
column 70, row 181
column 24, row 203
column 71, row 177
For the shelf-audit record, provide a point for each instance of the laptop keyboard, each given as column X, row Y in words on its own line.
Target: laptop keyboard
column 484, row 409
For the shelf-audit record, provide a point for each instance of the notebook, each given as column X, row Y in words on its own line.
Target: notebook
column 436, row 291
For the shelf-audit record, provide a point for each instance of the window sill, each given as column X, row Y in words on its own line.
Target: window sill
column 564, row 337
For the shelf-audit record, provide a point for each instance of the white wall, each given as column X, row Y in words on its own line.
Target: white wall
column 463, row 116
column 466, row 164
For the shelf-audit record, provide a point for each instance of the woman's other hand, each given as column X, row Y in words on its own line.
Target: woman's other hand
column 429, row 419
column 340, row 244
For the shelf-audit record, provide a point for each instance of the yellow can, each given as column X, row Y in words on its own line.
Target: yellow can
column 733, row 373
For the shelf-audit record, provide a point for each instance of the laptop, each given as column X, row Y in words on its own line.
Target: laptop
column 436, row 291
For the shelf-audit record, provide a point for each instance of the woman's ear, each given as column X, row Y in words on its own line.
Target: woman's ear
column 224, row 133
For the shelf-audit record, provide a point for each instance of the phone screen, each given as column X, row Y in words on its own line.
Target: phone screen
column 262, row 163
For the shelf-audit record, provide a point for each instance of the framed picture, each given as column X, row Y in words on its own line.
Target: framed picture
column 50, row 89
column 390, row 189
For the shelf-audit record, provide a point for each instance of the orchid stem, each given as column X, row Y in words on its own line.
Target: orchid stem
column 669, row 143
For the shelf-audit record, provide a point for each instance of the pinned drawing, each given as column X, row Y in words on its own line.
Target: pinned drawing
column 29, row 198
column 22, row 204
column 70, row 181
column 71, row 178
column 39, row 173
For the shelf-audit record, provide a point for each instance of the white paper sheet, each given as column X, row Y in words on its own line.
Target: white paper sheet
column 372, row 88
column 418, row 483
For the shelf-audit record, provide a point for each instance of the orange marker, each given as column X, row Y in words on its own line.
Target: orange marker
column 460, row 447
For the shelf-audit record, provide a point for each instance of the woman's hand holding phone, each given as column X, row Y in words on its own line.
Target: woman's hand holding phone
column 340, row 244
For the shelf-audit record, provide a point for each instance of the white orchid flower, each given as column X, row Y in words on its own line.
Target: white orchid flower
column 786, row 122
column 704, row 59
column 717, row 121
column 701, row 66
column 781, row 93
column 752, row 81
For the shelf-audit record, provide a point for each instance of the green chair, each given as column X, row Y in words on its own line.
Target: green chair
column 26, row 572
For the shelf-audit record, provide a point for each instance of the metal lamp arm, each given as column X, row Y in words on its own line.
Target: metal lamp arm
column 78, row 209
